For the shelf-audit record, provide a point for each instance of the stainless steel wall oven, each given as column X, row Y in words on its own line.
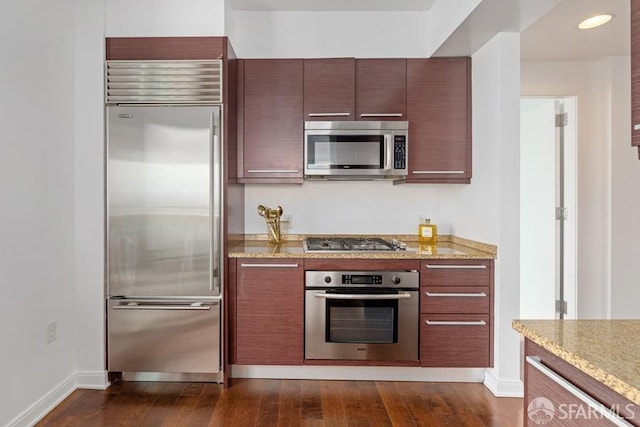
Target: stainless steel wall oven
column 361, row 315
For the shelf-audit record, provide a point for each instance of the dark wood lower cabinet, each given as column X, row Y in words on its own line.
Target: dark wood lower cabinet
column 454, row 340
column 558, row 394
column 269, row 315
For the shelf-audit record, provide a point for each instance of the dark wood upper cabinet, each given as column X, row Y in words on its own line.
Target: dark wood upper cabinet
column 635, row 74
column 381, row 89
column 439, row 115
column 329, row 89
column 166, row 48
column 270, row 122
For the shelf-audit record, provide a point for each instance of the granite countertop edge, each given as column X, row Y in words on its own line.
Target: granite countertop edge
column 589, row 368
column 291, row 247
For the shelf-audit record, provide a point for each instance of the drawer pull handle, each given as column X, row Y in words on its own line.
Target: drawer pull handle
column 381, row 115
column 455, row 322
column 456, row 294
column 329, row 114
column 461, row 266
column 273, row 171
column 535, row 362
column 636, row 127
column 436, row 172
column 269, row 265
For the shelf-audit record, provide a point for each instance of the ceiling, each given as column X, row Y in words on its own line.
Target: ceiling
column 555, row 36
column 333, row 5
column 548, row 27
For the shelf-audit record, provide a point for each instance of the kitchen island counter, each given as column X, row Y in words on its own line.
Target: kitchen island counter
column 448, row 247
column 605, row 350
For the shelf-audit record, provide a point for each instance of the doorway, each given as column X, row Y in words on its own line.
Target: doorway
column 548, row 207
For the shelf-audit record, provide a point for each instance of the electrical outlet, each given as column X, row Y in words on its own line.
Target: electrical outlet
column 52, row 331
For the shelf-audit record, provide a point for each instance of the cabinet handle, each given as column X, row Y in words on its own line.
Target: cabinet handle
column 436, row 172
column 636, row 127
column 273, row 171
column 455, row 322
column 401, row 295
column 535, row 362
column 456, row 294
column 452, row 266
column 381, row 115
column 269, row 265
column 329, row 114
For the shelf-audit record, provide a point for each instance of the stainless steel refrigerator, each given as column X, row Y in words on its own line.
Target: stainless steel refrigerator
column 164, row 240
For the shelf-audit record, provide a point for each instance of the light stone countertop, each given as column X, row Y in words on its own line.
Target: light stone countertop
column 606, row 350
column 448, row 247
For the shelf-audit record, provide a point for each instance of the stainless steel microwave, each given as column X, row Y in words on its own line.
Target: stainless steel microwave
column 355, row 150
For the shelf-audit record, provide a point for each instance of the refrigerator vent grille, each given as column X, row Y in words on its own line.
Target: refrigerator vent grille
column 163, row 82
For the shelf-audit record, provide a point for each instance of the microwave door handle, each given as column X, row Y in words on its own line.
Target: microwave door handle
column 388, row 152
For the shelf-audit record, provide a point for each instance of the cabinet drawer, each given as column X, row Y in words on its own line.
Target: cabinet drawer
column 454, row 299
column 456, row 273
column 456, row 340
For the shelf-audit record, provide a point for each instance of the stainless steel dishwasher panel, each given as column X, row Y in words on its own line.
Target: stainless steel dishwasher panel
column 164, row 336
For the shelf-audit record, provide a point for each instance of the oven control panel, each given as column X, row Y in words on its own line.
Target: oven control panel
column 408, row 279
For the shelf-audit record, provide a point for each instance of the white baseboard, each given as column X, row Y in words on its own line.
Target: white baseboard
column 503, row 388
column 95, row 380
column 45, row 404
column 364, row 373
column 37, row 411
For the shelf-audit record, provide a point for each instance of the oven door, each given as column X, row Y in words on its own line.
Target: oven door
column 380, row 325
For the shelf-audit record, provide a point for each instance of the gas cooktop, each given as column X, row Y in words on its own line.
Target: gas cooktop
column 352, row 244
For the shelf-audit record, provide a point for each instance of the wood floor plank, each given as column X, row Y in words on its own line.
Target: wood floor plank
column 290, row 407
column 373, row 404
column 287, row 403
column 311, row 400
column 396, row 408
column 269, row 403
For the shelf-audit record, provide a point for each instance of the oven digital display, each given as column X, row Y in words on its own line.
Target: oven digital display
column 361, row 279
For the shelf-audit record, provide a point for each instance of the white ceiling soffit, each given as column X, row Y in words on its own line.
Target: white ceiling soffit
column 332, row 5
column 555, row 36
column 490, row 18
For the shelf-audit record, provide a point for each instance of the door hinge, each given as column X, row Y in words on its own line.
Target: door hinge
column 561, row 213
column 561, row 307
column 561, row 120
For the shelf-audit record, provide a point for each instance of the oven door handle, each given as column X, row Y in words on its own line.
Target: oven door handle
column 399, row 295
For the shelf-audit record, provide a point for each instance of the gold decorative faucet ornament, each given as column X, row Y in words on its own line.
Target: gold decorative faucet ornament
column 272, row 217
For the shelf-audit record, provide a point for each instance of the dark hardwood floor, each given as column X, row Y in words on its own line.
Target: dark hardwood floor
column 258, row 402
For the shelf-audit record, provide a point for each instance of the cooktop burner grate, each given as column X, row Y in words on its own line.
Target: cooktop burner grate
column 349, row 244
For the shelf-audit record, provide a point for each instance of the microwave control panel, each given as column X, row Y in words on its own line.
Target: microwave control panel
column 399, row 152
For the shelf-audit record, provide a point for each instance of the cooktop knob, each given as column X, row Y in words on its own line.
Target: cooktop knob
column 327, row 279
column 395, row 280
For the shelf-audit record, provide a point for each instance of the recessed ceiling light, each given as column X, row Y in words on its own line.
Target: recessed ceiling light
column 595, row 21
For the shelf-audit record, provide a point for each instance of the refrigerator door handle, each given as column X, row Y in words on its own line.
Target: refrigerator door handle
column 142, row 306
column 216, row 206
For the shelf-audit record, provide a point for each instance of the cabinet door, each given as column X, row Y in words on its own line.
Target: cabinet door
column 270, row 124
column 329, row 89
column 381, row 89
column 269, row 312
column 635, row 73
column 439, row 115
column 454, row 340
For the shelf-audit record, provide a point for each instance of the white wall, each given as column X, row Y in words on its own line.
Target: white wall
column 37, row 203
column 89, row 189
column 625, row 196
column 494, row 204
column 142, row 18
column 585, row 79
column 258, row 34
